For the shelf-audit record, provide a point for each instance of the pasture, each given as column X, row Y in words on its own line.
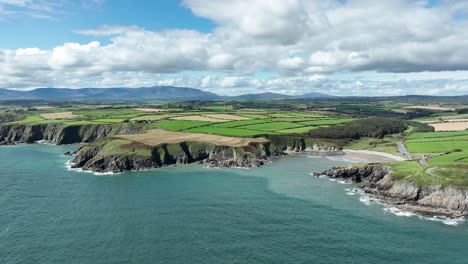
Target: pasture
column 157, row 137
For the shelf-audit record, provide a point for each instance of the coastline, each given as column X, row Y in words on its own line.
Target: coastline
column 373, row 156
column 375, row 181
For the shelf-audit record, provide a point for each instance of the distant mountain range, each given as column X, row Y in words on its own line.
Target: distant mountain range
column 158, row 93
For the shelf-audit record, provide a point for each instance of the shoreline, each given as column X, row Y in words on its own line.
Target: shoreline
column 375, row 181
column 374, row 156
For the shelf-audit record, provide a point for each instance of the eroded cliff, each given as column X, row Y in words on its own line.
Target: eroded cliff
column 426, row 200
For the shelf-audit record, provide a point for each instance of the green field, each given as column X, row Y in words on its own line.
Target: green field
column 449, row 161
column 224, row 131
column 437, row 134
column 241, row 123
column 272, row 127
column 327, row 121
column 436, row 146
column 179, row 125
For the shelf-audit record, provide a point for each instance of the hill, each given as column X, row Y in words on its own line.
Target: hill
column 163, row 93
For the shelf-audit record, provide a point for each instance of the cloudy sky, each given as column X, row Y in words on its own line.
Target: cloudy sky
column 339, row 47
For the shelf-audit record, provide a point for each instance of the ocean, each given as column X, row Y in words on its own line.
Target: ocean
column 190, row 214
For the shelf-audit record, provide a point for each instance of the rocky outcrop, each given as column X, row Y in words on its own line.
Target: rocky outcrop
column 61, row 134
column 91, row 158
column 425, row 200
column 6, row 142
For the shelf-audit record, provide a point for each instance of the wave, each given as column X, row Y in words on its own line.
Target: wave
column 398, row 212
column 69, row 164
column 444, row 220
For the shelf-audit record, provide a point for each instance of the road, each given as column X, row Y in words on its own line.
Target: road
column 403, row 151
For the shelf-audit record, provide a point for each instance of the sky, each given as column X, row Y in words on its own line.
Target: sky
column 337, row 47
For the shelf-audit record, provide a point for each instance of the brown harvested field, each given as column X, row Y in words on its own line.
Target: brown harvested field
column 430, row 107
column 227, row 117
column 157, row 137
column 43, row 107
column 450, row 126
column 149, row 110
column 60, row 115
column 444, row 121
column 199, row 118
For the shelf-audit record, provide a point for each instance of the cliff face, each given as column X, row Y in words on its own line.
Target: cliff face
column 60, row 134
column 96, row 157
column 92, row 158
column 425, row 200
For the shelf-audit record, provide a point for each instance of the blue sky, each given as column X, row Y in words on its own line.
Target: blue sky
column 354, row 47
column 29, row 31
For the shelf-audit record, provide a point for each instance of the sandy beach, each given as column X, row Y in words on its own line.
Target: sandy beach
column 370, row 156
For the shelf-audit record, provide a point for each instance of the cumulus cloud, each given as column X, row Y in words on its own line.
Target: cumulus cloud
column 297, row 41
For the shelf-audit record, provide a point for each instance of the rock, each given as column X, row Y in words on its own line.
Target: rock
column 428, row 200
column 68, row 153
column 60, row 134
column 6, row 142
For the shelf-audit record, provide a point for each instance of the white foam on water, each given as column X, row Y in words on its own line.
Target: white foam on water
column 368, row 200
column 343, row 182
column 353, row 191
column 43, row 142
column 398, row 212
column 69, row 165
column 444, row 220
column 365, row 199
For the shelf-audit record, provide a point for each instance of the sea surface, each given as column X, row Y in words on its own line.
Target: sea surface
column 191, row 214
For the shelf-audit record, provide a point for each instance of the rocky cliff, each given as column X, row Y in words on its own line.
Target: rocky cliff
column 425, row 200
column 95, row 157
column 117, row 155
column 60, row 134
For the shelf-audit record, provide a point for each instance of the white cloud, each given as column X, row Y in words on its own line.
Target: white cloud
column 296, row 41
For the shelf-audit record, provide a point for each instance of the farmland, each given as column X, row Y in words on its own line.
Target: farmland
column 373, row 124
column 217, row 120
column 157, row 137
column 447, row 158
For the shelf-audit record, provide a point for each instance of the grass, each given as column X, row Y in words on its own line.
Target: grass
column 34, row 120
column 224, row 131
column 272, row 127
column 109, row 120
column 218, row 107
column 254, row 116
column 152, row 117
column 126, row 147
column 437, row 134
column 281, row 115
column 158, row 137
column 179, row 125
column 109, row 113
column 240, row 123
column 307, row 115
column 439, row 139
column 446, row 175
column 436, row 147
column 387, row 144
column 327, row 121
column 297, row 130
column 449, row 159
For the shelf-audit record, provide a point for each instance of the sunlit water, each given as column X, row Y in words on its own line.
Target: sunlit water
column 274, row 214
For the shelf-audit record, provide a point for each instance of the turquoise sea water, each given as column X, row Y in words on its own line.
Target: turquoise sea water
column 275, row 214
